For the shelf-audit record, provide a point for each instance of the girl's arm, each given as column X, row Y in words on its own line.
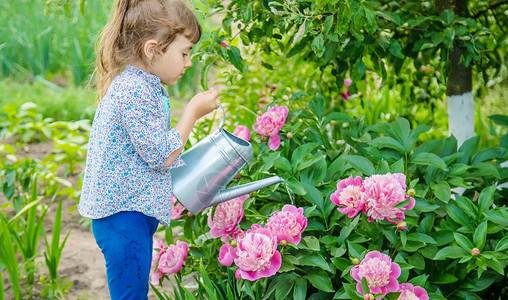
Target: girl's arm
column 200, row 105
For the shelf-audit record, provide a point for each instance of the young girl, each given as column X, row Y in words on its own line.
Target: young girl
column 127, row 185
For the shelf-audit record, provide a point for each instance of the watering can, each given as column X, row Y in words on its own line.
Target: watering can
column 209, row 166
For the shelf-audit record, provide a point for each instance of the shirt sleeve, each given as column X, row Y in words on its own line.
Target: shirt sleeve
column 144, row 120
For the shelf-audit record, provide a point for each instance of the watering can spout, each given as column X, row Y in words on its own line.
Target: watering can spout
column 243, row 189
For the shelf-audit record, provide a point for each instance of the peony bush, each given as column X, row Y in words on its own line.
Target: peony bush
column 366, row 212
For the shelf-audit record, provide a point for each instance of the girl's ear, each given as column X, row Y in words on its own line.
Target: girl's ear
column 149, row 49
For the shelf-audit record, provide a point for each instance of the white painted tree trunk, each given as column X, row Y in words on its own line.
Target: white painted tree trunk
column 461, row 117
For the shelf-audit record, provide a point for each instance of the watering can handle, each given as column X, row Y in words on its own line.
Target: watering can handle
column 223, row 114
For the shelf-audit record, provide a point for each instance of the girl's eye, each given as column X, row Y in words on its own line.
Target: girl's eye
column 185, row 54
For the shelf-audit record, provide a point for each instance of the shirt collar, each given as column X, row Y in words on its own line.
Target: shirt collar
column 153, row 80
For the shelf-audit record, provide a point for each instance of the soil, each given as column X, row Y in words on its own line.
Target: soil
column 82, row 262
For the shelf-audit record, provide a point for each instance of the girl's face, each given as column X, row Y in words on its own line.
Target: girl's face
column 171, row 65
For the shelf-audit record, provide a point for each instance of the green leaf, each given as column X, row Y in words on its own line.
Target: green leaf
column 318, row 45
column 502, row 244
column 467, row 206
column 450, row 252
column 317, row 105
column 396, row 49
column 301, row 152
column 346, row 230
column 480, row 235
column 442, row 191
column 284, row 285
column 427, row 159
column 398, row 166
column 365, row 286
column 424, row 205
column 457, row 215
column 283, row 164
column 501, row 120
column 314, row 196
column 338, row 117
column 269, row 161
column 360, row 163
column 235, row 57
column 444, row 278
column 419, row 280
column 351, row 292
column 314, row 260
column 387, row 142
column 320, row 280
column 308, row 161
column 497, row 217
column 390, row 16
column 496, row 266
column 300, row 291
column 311, row 242
column 463, row 241
column 448, row 15
column 358, row 69
column 355, row 250
column 296, row 187
column 486, row 198
column 421, row 237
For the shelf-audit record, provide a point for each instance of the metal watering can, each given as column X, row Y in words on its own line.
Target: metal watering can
column 209, row 166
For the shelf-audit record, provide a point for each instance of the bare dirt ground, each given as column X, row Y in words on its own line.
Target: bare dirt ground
column 82, row 262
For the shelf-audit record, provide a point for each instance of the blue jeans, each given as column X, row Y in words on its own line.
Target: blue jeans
column 126, row 240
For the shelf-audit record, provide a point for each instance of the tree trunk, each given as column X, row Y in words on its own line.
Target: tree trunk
column 460, row 83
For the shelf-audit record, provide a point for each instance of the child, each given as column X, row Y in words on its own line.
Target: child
column 127, row 185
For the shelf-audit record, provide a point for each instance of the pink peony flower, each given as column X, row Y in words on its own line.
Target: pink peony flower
column 379, row 271
column 382, row 193
column 475, row 252
column 171, row 261
column 257, row 254
column 348, row 82
column 345, row 95
column 242, row 132
column 349, row 196
column 288, row 224
column 410, row 292
column 270, row 123
column 227, row 254
column 156, row 275
column 176, row 212
column 227, row 215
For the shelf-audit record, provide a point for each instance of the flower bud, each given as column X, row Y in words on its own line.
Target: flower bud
column 411, row 192
column 355, row 261
column 283, row 243
column 224, row 44
column 289, row 135
column 285, row 97
column 233, row 243
column 333, row 122
column 401, row 226
column 369, row 297
column 475, row 252
column 348, row 82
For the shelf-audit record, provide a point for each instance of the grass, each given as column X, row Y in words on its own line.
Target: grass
column 62, row 104
column 38, row 40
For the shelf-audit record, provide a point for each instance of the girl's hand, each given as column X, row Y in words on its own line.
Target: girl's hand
column 203, row 103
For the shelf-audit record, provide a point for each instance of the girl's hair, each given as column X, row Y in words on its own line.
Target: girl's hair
column 133, row 23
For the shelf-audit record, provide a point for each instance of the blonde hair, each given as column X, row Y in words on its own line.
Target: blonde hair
column 132, row 24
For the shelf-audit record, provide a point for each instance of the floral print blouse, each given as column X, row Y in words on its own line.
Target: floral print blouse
column 129, row 143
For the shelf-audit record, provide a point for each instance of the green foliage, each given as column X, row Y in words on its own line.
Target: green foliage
column 62, row 104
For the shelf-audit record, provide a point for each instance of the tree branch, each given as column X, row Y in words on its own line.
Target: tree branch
column 492, row 6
